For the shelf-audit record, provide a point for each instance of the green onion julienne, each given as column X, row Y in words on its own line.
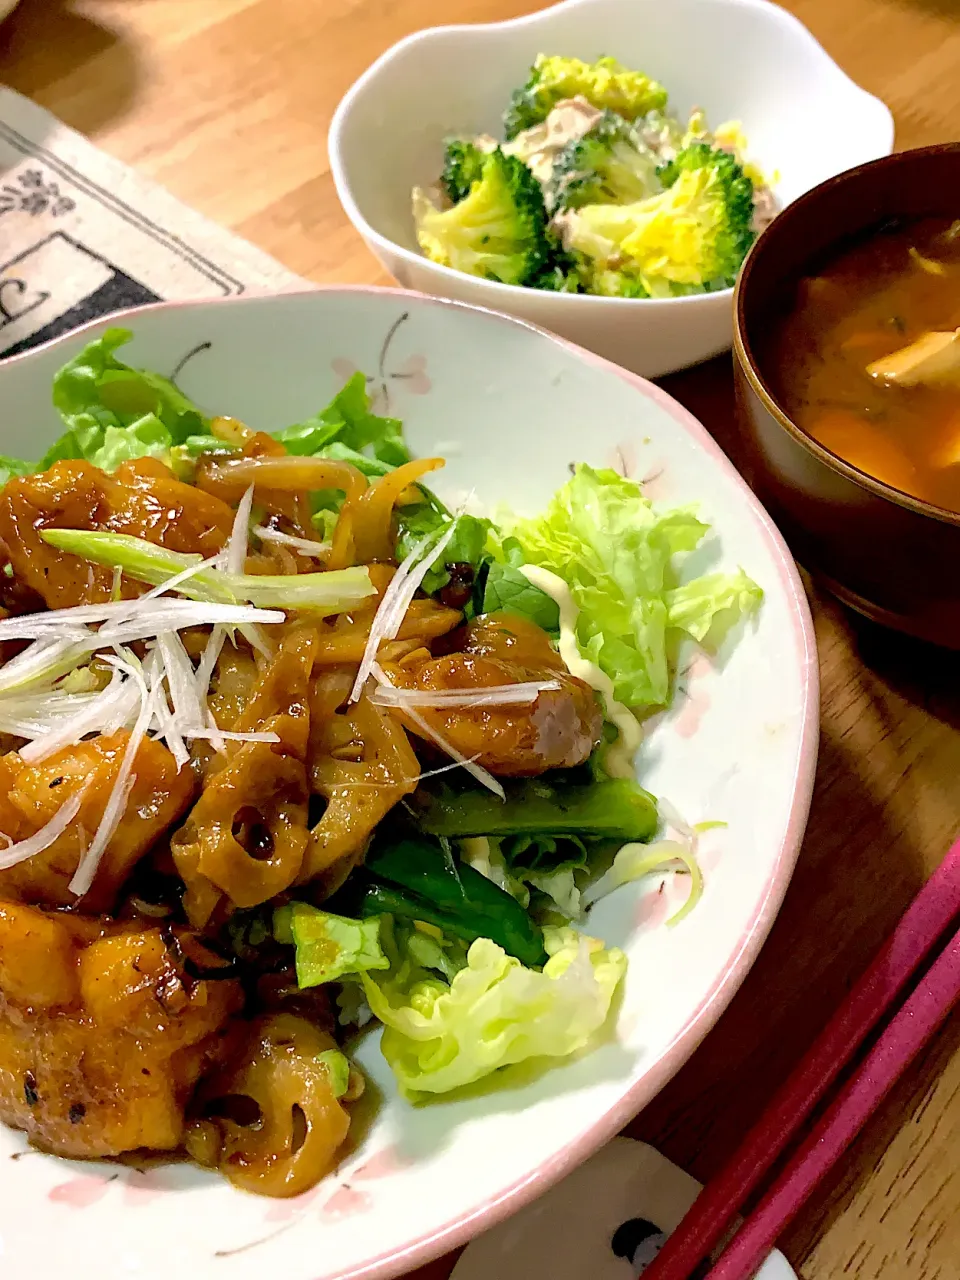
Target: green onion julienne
column 320, row 593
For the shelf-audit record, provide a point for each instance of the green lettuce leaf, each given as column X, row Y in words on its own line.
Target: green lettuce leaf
column 147, row 437
column 507, row 589
column 430, row 517
column 114, row 413
column 616, row 553
column 439, row 1036
column 13, row 467
column 328, row 946
column 708, row 606
column 347, row 421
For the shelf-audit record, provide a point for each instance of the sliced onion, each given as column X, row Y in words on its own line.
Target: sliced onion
column 430, row 773
column 170, row 733
column 48, row 833
column 257, row 641
column 208, row 662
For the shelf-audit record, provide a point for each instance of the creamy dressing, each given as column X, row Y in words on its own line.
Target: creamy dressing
column 539, row 146
column 618, row 760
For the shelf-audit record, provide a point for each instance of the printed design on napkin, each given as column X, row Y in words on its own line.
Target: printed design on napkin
column 639, row 1242
column 83, row 236
column 32, row 193
column 607, row 1220
column 84, row 286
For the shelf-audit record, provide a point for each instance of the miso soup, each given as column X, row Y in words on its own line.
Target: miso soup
column 867, row 358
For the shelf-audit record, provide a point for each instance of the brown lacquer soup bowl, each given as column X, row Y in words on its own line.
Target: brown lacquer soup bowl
column 887, row 554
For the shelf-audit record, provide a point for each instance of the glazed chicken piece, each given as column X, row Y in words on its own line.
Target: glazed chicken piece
column 142, row 498
column 31, row 794
column 102, row 1038
column 557, row 731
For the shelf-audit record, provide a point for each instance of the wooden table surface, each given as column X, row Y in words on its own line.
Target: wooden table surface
column 227, row 103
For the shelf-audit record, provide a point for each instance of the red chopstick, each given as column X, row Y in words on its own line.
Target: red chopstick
column 922, row 1013
column 923, row 925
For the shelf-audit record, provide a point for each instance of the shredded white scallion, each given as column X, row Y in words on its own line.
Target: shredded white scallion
column 43, row 662
column 229, row 736
column 123, row 784
column 22, row 850
column 99, row 710
column 520, row 694
column 120, row 621
column 397, row 598
column 477, row 771
column 188, row 710
column 304, row 546
column 235, row 552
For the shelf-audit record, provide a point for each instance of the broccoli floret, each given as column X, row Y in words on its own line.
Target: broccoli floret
column 604, row 83
column 727, row 180
column 563, row 272
column 498, row 231
column 690, row 238
column 462, row 167
column 605, row 166
column 615, row 284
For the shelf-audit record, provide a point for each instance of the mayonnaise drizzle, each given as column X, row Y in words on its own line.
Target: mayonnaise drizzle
column 618, row 760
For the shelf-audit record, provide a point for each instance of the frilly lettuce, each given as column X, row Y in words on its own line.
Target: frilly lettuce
column 560, row 886
column 114, row 413
column 440, row 1036
column 13, row 467
column 616, row 553
column 348, row 422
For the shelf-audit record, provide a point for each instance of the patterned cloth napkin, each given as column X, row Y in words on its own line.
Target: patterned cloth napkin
column 606, row 1221
column 81, row 236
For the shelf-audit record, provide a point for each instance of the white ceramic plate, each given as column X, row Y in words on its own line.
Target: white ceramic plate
column 510, row 407
column 737, row 59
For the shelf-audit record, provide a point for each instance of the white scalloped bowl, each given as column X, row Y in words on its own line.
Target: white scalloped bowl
column 505, row 404
column 737, row 59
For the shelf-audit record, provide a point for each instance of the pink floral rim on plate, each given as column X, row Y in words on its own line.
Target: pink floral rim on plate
column 495, row 1208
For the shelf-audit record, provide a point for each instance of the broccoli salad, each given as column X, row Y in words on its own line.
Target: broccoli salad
column 596, row 188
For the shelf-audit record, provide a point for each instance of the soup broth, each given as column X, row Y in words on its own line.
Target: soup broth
column 867, row 361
